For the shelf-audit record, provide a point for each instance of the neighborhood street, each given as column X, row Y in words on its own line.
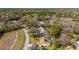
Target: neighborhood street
column 26, row 46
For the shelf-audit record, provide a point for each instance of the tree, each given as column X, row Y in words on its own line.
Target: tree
column 56, row 30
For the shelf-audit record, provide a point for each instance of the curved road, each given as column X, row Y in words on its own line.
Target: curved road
column 26, row 46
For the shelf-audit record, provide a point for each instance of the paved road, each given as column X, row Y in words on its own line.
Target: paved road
column 26, row 46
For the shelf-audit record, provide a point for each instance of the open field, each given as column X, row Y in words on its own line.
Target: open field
column 9, row 40
column 19, row 44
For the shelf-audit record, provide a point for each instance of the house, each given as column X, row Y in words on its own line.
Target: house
column 23, row 26
column 49, row 40
column 68, row 38
column 39, row 31
column 43, row 42
column 41, row 22
column 13, row 22
column 34, row 47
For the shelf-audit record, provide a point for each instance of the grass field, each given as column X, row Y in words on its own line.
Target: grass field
column 20, row 40
column 7, row 40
